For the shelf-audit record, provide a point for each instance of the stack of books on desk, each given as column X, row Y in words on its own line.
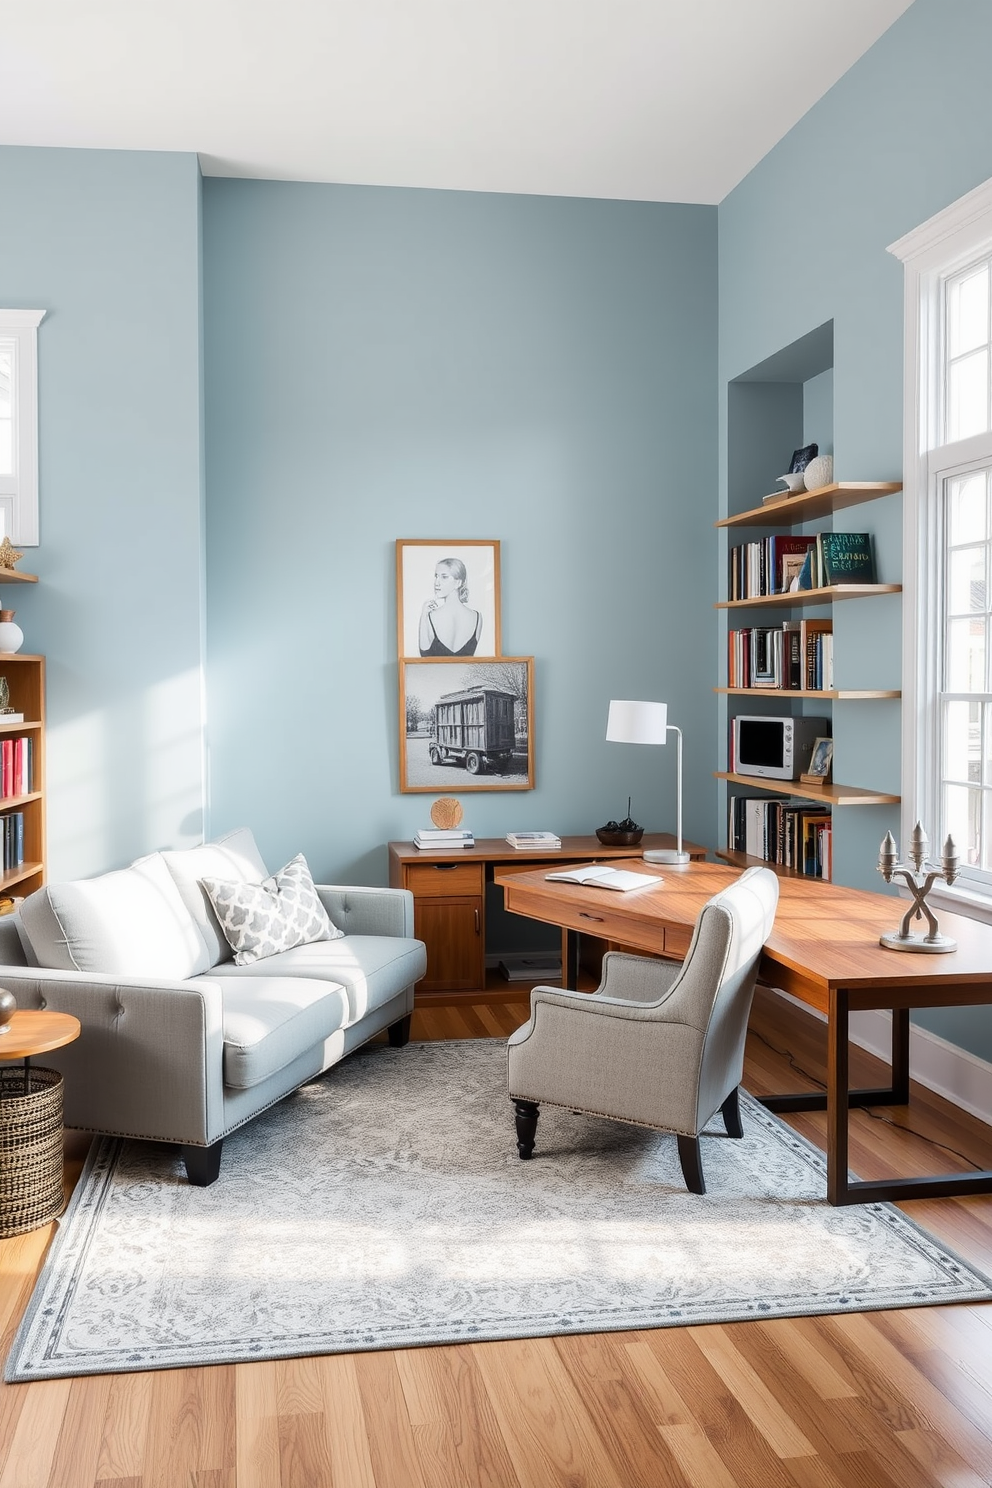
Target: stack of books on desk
column 434, row 837
column 533, row 839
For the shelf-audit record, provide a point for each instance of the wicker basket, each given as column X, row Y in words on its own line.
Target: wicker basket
column 32, row 1169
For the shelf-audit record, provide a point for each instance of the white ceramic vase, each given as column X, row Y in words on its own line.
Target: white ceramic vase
column 11, row 635
column 819, row 472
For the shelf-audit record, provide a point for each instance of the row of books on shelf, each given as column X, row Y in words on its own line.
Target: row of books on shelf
column 16, row 766
column 797, row 655
column 776, row 565
column 783, row 832
column 12, row 824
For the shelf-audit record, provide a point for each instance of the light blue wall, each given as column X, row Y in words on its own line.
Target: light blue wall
column 803, row 241
column 108, row 244
column 386, row 364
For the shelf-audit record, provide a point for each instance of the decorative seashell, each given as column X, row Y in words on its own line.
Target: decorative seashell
column 819, row 472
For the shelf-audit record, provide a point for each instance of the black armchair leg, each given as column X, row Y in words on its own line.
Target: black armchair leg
column 202, row 1164
column 399, row 1033
column 527, row 1114
column 692, row 1164
column 731, row 1110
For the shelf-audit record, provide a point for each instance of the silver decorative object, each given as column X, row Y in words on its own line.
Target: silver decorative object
column 8, row 1007
column 919, row 879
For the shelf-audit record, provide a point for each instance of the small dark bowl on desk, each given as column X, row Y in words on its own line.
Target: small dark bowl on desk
column 619, row 839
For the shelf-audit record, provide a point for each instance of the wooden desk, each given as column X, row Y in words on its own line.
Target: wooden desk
column 448, row 887
column 823, row 950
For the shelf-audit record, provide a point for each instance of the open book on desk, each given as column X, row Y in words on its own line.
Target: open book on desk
column 598, row 876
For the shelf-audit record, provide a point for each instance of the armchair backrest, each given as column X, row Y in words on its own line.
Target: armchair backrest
column 714, row 991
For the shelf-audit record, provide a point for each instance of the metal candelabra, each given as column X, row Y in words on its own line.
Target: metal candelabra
column 919, row 876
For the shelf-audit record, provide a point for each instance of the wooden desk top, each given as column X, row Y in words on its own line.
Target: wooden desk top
column 825, row 936
column 35, row 1032
column 572, row 850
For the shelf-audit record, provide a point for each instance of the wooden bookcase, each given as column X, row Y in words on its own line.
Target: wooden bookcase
column 790, row 512
column 25, row 676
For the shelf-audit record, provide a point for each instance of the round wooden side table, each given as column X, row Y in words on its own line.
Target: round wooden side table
column 32, row 1168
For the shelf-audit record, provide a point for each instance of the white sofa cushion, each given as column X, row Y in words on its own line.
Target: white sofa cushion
column 262, row 919
column 131, row 923
column 233, row 856
column 270, row 1021
column 371, row 968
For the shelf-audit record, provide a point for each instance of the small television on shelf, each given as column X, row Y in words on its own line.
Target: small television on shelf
column 773, row 748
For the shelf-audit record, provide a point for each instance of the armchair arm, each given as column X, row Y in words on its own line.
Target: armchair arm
column 641, row 979
column 149, row 1060
column 361, row 910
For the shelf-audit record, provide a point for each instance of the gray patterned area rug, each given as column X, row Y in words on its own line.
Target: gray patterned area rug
column 385, row 1206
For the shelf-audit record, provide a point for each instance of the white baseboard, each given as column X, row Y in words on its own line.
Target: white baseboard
column 960, row 1077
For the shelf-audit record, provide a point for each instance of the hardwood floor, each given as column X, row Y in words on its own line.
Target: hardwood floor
column 873, row 1400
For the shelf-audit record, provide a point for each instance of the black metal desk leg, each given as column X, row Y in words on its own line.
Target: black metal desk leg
column 838, row 1082
column 571, row 960
column 900, row 1056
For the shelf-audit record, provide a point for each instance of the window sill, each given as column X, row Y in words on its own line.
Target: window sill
column 971, row 902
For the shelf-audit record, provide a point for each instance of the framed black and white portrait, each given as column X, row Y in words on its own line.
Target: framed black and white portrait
column 447, row 598
column 467, row 725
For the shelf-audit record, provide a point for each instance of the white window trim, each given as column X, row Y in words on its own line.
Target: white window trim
column 19, row 492
column 945, row 242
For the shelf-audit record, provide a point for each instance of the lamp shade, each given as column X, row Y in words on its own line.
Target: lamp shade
column 637, row 723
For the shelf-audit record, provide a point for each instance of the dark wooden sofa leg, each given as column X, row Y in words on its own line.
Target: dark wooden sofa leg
column 731, row 1111
column 399, row 1033
column 527, row 1114
column 202, row 1164
column 692, row 1164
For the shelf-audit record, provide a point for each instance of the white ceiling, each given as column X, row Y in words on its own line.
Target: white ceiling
column 656, row 100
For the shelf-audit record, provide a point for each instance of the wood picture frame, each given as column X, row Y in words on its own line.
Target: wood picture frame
column 440, row 585
column 820, row 763
column 466, row 724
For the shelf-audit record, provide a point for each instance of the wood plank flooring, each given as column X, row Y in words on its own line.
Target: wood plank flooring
column 874, row 1400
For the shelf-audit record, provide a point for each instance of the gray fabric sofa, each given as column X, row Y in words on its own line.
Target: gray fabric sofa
column 178, row 1043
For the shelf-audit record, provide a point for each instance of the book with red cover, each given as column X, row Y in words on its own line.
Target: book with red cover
column 778, row 547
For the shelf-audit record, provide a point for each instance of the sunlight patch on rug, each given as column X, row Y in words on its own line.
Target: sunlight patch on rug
column 385, row 1206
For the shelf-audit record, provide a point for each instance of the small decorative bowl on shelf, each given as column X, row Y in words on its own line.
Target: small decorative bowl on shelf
column 620, row 834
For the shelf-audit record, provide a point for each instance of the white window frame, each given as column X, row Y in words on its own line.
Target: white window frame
column 945, row 243
column 19, row 491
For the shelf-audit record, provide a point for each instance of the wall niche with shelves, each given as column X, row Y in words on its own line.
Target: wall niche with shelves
column 781, row 404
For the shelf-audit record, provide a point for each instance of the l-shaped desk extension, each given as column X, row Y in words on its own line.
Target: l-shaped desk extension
column 823, row 950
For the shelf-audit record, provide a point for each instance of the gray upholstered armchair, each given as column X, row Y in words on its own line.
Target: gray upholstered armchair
column 660, row 1044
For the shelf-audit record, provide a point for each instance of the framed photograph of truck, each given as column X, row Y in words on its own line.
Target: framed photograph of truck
column 467, row 725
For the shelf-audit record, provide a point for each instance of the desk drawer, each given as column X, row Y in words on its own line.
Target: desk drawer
column 433, row 880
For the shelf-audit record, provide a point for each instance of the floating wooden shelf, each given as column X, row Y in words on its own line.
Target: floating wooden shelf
column 747, row 860
column 846, row 693
column 14, row 576
column 832, row 795
column 812, row 504
column 809, row 596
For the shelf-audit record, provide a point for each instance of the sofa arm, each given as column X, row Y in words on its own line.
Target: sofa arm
column 360, row 910
column 149, row 1059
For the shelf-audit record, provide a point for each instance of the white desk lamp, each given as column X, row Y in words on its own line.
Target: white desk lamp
column 647, row 723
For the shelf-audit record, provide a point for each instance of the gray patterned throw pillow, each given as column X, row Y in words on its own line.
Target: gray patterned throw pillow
column 259, row 920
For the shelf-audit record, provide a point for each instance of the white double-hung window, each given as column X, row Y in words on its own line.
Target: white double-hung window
column 19, row 425
column 947, row 685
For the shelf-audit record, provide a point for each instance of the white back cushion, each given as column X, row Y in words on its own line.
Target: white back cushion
column 233, row 857
column 132, row 923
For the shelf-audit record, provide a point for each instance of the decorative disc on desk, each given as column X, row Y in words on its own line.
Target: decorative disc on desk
column 446, row 813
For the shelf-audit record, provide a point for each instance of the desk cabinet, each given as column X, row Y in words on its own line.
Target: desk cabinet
column 449, row 917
